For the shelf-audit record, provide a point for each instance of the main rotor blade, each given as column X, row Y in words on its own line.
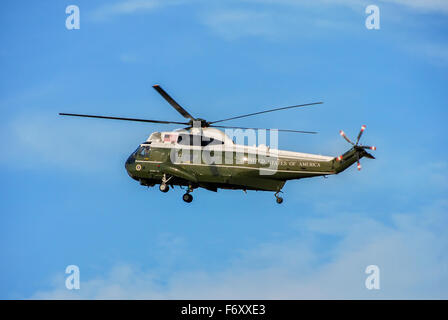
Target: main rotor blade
column 282, row 130
column 172, row 102
column 118, row 118
column 266, row 111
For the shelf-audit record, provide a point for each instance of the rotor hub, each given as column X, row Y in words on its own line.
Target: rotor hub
column 199, row 123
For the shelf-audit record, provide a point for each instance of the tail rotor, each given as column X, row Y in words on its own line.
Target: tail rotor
column 361, row 149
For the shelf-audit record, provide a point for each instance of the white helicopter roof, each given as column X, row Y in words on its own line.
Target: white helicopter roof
column 171, row 136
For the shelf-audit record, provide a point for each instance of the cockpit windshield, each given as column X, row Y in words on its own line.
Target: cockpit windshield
column 143, row 151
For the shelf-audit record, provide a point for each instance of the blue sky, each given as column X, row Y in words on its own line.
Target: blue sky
column 65, row 197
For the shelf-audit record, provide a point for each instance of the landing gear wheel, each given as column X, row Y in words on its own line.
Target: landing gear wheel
column 278, row 199
column 187, row 197
column 164, row 188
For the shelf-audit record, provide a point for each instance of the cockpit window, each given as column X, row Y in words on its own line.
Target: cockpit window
column 143, row 151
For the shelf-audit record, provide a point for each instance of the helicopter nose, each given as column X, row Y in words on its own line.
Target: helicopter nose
column 129, row 162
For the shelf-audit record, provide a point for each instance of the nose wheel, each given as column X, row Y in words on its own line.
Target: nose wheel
column 278, row 199
column 164, row 187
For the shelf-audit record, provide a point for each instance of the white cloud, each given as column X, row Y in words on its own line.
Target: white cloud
column 276, row 19
column 236, row 23
column 440, row 6
column 423, row 6
column 410, row 252
column 130, row 7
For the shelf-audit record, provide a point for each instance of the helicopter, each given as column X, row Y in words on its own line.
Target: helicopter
column 201, row 155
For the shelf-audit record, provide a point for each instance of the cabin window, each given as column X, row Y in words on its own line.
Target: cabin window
column 189, row 140
column 214, row 142
column 186, row 139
